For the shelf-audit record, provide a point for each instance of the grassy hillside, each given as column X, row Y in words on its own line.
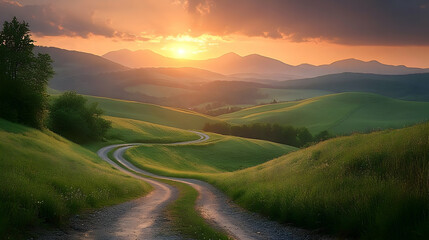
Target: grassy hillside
column 219, row 154
column 46, row 178
column 372, row 186
column 126, row 130
column 338, row 113
column 166, row 116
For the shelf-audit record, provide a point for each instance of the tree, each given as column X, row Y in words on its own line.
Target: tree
column 23, row 76
column 73, row 119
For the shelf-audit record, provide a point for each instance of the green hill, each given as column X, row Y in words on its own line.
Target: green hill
column 166, row 116
column 45, row 179
column 219, row 154
column 338, row 113
column 371, row 186
column 126, row 130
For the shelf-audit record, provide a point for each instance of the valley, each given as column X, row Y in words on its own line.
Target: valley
column 216, row 125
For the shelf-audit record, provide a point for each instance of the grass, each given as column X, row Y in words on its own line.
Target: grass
column 186, row 220
column 166, row 116
column 342, row 113
column 371, row 186
column 219, row 154
column 134, row 131
column 45, row 179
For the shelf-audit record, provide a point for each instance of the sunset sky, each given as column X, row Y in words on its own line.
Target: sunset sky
column 300, row 31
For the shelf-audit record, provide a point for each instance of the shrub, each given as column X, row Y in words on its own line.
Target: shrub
column 72, row 119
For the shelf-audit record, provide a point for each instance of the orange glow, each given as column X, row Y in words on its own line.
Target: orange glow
column 165, row 27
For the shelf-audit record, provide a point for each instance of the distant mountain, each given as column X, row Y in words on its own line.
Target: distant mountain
column 72, row 63
column 409, row 86
column 357, row 66
column 255, row 66
column 230, row 63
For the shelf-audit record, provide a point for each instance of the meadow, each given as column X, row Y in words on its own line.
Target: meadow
column 219, row 154
column 172, row 117
column 342, row 113
column 46, row 179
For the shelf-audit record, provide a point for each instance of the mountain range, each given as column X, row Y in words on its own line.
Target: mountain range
column 255, row 66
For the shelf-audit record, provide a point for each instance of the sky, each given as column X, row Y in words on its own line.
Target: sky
column 293, row 31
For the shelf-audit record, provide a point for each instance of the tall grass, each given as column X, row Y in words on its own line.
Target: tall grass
column 45, row 179
column 367, row 186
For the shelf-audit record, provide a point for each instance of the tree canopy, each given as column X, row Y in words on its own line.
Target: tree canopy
column 24, row 76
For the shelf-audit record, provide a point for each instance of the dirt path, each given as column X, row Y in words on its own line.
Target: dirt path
column 221, row 212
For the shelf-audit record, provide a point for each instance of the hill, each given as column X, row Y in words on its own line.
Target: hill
column 72, row 63
column 219, row 154
column 255, row 66
column 410, row 86
column 342, row 113
column 179, row 118
column 370, row 186
column 46, row 179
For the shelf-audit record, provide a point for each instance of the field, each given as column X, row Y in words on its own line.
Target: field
column 342, row 113
column 373, row 186
column 166, row 116
column 49, row 178
column 219, row 154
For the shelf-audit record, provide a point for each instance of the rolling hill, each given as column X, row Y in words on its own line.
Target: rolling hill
column 46, row 179
column 365, row 186
column 256, row 67
column 342, row 113
column 410, row 86
column 179, row 118
column 219, row 154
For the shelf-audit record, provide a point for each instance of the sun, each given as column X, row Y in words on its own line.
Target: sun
column 181, row 51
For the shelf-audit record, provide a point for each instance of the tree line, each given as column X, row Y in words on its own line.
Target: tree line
column 24, row 79
column 297, row 137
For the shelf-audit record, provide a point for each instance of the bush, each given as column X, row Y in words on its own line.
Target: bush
column 72, row 119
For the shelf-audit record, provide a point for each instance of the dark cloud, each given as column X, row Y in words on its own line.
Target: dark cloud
column 46, row 20
column 350, row 22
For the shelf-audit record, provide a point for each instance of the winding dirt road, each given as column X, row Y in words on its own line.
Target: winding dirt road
column 144, row 218
column 219, row 210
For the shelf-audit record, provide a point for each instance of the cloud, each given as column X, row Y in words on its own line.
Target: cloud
column 349, row 22
column 48, row 20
